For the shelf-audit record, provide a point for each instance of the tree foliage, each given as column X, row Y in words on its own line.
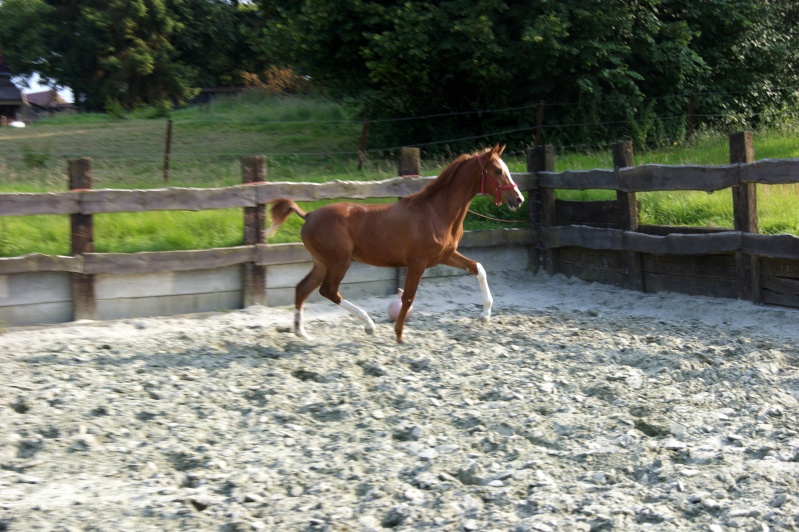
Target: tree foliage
column 607, row 69
column 126, row 52
column 615, row 68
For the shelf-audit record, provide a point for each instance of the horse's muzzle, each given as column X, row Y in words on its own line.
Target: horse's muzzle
column 515, row 203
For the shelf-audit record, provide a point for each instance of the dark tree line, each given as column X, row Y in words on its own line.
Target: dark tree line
column 131, row 52
column 620, row 68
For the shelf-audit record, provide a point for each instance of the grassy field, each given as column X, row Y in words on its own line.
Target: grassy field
column 305, row 139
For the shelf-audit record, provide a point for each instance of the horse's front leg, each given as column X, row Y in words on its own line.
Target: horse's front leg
column 412, row 279
column 475, row 268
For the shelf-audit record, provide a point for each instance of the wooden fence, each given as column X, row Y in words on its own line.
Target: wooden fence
column 85, row 268
column 604, row 242
column 598, row 241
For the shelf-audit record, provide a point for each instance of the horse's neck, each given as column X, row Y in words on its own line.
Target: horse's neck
column 453, row 203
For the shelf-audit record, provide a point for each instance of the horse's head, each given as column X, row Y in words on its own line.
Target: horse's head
column 496, row 180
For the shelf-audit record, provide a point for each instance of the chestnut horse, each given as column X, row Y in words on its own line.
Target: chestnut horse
column 419, row 231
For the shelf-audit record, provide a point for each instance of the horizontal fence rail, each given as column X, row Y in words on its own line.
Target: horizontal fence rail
column 188, row 260
column 773, row 246
column 645, row 178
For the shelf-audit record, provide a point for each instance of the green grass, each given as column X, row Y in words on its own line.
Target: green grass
column 307, row 139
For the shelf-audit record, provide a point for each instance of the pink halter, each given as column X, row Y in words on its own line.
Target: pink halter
column 497, row 187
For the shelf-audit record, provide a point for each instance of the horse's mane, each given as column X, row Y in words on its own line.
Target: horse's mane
column 443, row 180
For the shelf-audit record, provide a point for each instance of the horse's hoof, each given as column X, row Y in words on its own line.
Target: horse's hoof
column 369, row 328
column 485, row 318
column 304, row 335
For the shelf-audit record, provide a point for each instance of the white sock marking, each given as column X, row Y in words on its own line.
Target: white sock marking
column 488, row 301
column 368, row 324
column 299, row 329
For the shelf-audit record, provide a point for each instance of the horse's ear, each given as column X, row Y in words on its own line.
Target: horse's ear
column 501, row 149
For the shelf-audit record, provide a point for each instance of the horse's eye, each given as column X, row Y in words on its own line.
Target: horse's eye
column 498, row 171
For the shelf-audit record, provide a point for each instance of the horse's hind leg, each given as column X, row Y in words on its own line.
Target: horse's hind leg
column 414, row 275
column 475, row 268
column 310, row 283
column 329, row 289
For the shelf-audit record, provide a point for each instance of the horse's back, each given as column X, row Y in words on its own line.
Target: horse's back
column 371, row 233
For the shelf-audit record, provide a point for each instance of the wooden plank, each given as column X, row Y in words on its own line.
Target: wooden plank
column 18, row 204
column 583, row 236
column 781, row 285
column 387, row 188
column 784, row 300
column 680, row 244
column 655, row 177
column 498, row 237
column 771, row 172
column 527, row 180
column 605, row 238
column 599, row 266
column 36, row 262
column 780, row 268
column 694, row 286
column 168, row 199
column 773, row 246
column 663, row 230
column 166, row 261
column 579, row 179
column 197, row 199
column 599, row 258
column 646, row 178
column 721, row 266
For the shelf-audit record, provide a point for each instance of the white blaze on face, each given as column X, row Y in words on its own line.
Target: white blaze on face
column 516, row 190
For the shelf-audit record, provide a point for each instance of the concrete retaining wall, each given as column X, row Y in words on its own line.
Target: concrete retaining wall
column 45, row 297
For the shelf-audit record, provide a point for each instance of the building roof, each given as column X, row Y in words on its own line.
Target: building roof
column 9, row 93
column 49, row 98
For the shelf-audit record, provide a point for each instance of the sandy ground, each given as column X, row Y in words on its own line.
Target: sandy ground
column 579, row 407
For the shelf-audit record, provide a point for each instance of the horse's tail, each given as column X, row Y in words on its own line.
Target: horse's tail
column 280, row 210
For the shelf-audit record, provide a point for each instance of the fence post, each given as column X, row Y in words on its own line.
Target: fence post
column 253, row 170
column 744, row 205
column 167, row 149
column 410, row 162
column 84, row 300
column 362, row 143
column 539, row 122
column 542, row 209
column 628, row 216
column 410, row 165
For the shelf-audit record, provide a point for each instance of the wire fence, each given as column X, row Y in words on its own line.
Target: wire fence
column 154, row 148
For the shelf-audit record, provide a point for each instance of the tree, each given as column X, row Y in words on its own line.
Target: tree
column 417, row 58
column 614, row 66
column 216, row 39
column 107, row 51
